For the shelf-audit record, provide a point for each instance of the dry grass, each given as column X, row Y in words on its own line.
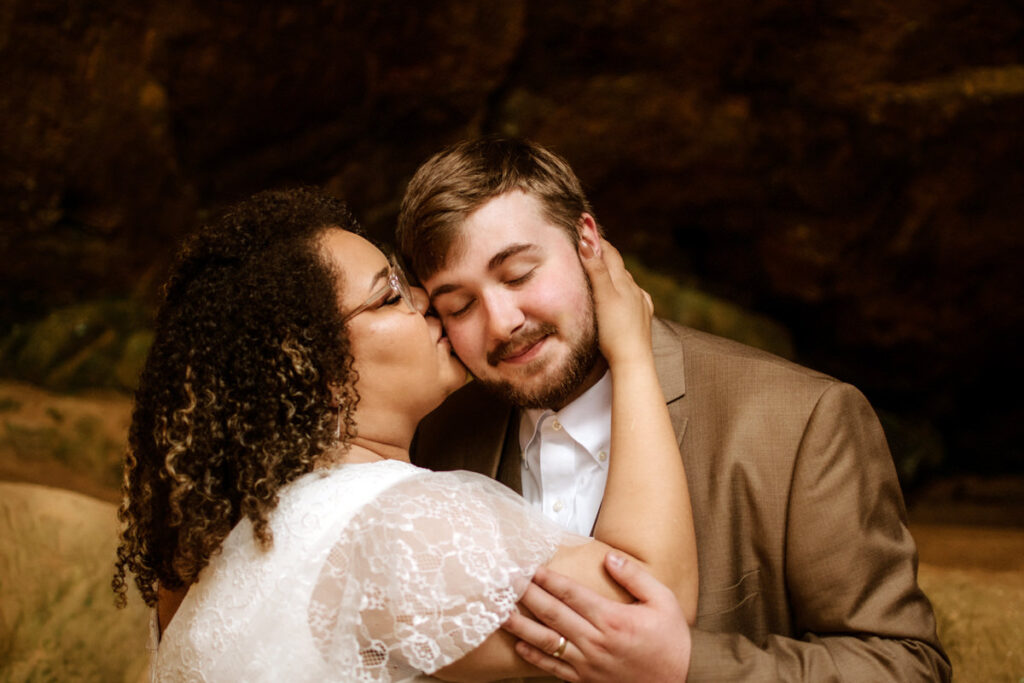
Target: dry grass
column 980, row 617
column 974, row 576
column 57, row 617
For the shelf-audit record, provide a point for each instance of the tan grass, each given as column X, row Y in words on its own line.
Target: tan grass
column 57, row 617
column 980, row 615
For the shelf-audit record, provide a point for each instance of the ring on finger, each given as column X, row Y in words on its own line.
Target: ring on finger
column 560, row 650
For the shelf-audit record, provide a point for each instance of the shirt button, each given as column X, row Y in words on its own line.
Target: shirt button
column 602, row 456
column 557, row 507
column 556, row 425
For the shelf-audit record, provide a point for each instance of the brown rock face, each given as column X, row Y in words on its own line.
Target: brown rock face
column 850, row 168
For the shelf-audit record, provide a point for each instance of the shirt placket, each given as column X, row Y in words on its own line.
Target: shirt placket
column 558, row 472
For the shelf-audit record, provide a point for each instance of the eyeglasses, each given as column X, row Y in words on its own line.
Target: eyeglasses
column 395, row 285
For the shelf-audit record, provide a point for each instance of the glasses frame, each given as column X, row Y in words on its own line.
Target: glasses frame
column 395, row 283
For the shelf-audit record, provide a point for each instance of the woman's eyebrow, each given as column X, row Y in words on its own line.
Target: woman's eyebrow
column 381, row 274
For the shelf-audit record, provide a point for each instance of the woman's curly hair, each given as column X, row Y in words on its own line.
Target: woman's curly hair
column 245, row 386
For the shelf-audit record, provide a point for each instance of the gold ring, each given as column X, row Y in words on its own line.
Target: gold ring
column 560, row 650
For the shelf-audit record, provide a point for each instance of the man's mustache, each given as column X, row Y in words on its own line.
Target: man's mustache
column 520, row 341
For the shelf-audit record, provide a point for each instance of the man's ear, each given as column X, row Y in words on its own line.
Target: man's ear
column 589, row 232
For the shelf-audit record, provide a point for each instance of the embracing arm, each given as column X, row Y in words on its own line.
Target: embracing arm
column 646, row 508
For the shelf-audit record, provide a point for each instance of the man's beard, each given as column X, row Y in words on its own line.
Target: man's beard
column 583, row 356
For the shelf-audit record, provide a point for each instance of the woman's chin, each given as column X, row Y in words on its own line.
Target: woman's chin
column 449, row 384
column 460, row 378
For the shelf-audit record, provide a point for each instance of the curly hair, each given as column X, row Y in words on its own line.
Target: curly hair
column 248, row 382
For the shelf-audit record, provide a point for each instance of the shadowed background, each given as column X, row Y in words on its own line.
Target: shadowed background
column 840, row 183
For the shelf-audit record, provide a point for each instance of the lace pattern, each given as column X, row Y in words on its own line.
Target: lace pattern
column 378, row 573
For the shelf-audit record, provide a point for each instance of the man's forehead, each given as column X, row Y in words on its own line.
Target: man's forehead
column 461, row 261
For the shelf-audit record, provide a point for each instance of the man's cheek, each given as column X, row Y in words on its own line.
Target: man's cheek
column 461, row 340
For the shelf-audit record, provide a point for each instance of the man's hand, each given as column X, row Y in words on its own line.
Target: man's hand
column 648, row 640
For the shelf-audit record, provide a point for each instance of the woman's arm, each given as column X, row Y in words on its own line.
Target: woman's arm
column 646, row 508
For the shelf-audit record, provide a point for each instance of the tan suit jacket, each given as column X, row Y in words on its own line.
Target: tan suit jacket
column 807, row 569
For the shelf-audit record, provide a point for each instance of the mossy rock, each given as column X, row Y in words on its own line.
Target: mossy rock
column 75, row 442
column 92, row 344
column 917, row 447
column 58, row 621
column 692, row 307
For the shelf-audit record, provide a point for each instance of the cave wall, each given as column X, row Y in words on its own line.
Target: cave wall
column 851, row 169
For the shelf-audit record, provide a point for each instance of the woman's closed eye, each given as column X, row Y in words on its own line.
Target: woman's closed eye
column 390, row 300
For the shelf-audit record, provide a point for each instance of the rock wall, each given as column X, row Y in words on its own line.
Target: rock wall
column 851, row 169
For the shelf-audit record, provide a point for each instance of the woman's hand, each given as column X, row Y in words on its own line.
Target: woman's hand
column 623, row 310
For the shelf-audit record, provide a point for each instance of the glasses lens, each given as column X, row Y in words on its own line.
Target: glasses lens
column 399, row 281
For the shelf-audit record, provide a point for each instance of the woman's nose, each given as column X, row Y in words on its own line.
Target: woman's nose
column 420, row 300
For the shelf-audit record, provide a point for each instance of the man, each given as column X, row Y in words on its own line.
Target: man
column 807, row 569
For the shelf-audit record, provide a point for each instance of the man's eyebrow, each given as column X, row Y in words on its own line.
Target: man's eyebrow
column 442, row 290
column 507, row 253
column 495, row 261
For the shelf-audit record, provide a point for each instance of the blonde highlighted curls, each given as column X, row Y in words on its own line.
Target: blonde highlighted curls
column 243, row 389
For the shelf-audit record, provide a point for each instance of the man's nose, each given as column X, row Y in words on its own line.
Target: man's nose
column 504, row 316
column 420, row 301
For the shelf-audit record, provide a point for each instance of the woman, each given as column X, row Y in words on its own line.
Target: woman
column 270, row 507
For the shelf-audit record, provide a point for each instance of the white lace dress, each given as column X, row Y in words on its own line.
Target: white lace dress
column 378, row 572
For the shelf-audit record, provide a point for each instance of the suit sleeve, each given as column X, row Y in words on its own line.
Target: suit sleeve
column 851, row 568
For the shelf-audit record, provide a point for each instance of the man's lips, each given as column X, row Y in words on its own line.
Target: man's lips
column 524, row 353
column 521, row 348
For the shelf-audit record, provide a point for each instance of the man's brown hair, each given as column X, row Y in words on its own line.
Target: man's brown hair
column 460, row 179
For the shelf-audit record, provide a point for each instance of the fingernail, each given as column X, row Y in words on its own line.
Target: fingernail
column 586, row 250
column 616, row 561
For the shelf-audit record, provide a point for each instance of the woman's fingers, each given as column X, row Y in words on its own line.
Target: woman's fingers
column 613, row 262
column 593, row 260
column 559, row 668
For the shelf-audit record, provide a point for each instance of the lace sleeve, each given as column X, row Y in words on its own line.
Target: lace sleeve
column 424, row 573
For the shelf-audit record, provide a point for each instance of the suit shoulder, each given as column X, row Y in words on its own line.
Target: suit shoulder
column 469, row 403
column 722, row 372
column 719, row 352
column 461, row 430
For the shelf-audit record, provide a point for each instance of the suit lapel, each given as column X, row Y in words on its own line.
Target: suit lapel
column 668, row 360
column 509, row 464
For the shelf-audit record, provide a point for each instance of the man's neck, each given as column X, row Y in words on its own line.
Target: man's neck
column 592, row 378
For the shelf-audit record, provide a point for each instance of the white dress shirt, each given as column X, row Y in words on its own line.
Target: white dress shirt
column 565, row 457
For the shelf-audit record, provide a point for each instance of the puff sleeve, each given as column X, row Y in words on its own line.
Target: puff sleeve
column 424, row 573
